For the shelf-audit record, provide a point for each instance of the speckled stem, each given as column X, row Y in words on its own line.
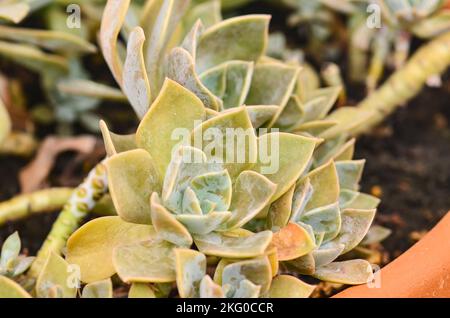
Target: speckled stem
column 432, row 59
column 24, row 205
column 80, row 204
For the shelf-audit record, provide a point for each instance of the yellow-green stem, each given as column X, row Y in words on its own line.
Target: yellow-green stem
column 431, row 59
column 24, row 205
column 80, row 204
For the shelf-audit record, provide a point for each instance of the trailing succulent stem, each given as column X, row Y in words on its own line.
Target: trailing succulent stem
column 24, row 205
column 431, row 59
column 82, row 200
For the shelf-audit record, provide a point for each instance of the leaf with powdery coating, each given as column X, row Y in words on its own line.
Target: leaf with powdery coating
column 10, row 289
column 228, row 138
column 209, row 289
column 353, row 272
column 355, row 225
column 132, row 178
column 176, row 109
column 214, row 187
column 258, row 271
column 376, row 234
column 181, row 68
column 55, row 276
column 100, row 289
column 91, row 246
column 112, row 21
column 349, row 119
column 203, row 224
column 91, row 89
column 272, row 84
column 326, row 254
column 325, row 183
column 261, row 114
column 247, row 289
column 241, row 38
column 350, row 173
column 145, row 262
column 167, row 226
column 285, row 286
column 190, row 267
column 326, row 219
column 222, row 245
column 364, row 201
column 292, row 241
column 135, row 81
column 251, row 193
column 303, row 265
column 10, row 250
column 283, row 158
column 280, row 211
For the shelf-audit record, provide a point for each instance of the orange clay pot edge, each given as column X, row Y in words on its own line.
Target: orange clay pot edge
column 421, row 272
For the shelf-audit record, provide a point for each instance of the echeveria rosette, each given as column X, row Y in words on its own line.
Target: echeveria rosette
column 181, row 202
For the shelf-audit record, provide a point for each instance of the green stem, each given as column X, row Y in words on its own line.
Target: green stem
column 37, row 202
column 82, row 201
column 431, row 59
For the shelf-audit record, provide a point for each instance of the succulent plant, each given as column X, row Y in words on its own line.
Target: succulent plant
column 183, row 207
column 12, row 264
column 5, row 122
column 167, row 200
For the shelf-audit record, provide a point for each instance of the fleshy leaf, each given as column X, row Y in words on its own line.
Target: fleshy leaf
column 353, row 272
column 10, row 249
column 181, row 68
column 350, row 173
column 203, row 224
column 272, row 84
column 326, row 219
column 285, row 286
column 303, row 265
column 223, row 245
column 113, row 18
column 346, row 197
column 325, row 183
column 251, row 193
column 291, row 154
column 228, row 138
column 209, row 289
column 87, row 88
column 132, row 178
column 325, row 255
column 302, row 195
column 280, row 211
column 247, row 289
column 290, row 115
column 175, row 110
column 100, row 289
column 241, row 38
column 141, row 290
column 364, row 202
column 191, row 204
column 261, row 114
column 258, row 271
column 135, row 81
column 91, row 246
column 114, row 143
column 355, row 225
column 348, row 119
column 292, row 241
column 10, row 289
column 167, row 226
column 320, row 102
column 165, row 23
column 238, row 80
column 376, row 234
column 215, row 187
column 55, row 275
column 187, row 163
column 190, row 267
column 145, row 262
